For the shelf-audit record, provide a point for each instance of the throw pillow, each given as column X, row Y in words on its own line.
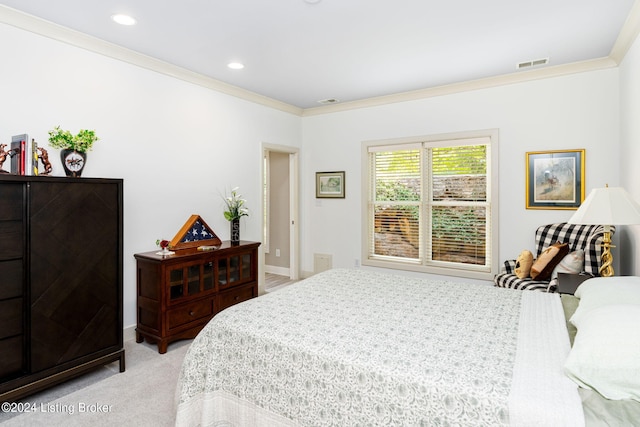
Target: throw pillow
column 547, row 261
column 523, row 264
column 572, row 263
column 601, row 291
column 606, row 352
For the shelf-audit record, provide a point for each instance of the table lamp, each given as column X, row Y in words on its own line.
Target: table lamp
column 607, row 206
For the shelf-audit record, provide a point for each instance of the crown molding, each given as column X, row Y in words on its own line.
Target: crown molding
column 489, row 82
column 36, row 25
column 57, row 32
column 628, row 34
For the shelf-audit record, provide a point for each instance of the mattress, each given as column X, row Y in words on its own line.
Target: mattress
column 354, row 347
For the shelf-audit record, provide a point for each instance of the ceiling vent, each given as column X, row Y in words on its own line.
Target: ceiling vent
column 329, row 101
column 533, row 63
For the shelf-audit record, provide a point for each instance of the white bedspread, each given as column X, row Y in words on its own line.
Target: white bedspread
column 351, row 348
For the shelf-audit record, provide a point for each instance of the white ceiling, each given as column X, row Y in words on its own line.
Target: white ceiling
column 299, row 53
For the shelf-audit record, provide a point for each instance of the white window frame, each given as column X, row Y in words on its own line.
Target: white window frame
column 432, row 267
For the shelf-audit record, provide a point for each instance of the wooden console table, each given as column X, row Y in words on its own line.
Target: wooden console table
column 178, row 294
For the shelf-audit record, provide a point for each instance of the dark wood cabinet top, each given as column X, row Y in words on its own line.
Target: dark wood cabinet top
column 193, row 252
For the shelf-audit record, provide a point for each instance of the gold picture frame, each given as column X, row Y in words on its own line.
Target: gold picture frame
column 555, row 179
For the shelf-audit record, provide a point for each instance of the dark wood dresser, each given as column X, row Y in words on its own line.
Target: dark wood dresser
column 60, row 280
column 178, row 294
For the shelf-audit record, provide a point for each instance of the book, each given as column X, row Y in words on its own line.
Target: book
column 19, row 144
column 24, row 155
column 34, row 158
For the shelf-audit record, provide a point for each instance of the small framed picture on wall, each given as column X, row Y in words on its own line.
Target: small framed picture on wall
column 330, row 185
column 555, row 179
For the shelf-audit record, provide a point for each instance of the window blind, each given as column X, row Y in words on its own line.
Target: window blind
column 430, row 203
column 396, row 185
column 458, row 204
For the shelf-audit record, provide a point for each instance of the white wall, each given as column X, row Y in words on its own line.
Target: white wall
column 629, row 249
column 572, row 112
column 177, row 146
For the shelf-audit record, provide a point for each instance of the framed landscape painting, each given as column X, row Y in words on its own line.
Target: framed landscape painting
column 330, row 185
column 555, row 179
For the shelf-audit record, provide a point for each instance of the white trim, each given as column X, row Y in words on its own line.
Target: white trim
column 628, row 34
column 75, row 38
column 490, row 136
column 274, row 269
column 486, row 83
column 27, row 22
column 266, row 202
column 129, row 333
column 294, row 197
column 294, row 202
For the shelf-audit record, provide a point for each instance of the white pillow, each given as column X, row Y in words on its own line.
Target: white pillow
column 600, row 291
column 572, row 263
column 606, row 352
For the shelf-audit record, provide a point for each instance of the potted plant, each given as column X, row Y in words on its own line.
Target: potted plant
column 235, row 210
column 73, row 148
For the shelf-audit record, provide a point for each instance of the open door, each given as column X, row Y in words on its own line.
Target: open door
column 280, row 211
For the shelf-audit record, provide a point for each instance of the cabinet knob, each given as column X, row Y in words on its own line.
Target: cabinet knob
column 191, row 313
column 237, row 297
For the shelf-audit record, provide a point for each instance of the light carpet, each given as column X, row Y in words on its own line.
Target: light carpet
column 141, row 396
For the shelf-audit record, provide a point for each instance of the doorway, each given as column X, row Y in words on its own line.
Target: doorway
column 280, row 210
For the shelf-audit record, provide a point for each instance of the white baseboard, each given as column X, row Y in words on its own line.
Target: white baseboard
column 281, row 271
column 306, row 274
column 129, row 333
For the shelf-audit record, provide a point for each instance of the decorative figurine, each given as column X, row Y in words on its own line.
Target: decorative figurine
column 3, row 156
column 44, row 156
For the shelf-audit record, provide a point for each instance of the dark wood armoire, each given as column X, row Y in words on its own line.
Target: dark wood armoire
column 60, row 280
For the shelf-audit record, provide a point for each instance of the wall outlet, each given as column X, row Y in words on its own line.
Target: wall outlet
column 277, row 252
column 357, row 263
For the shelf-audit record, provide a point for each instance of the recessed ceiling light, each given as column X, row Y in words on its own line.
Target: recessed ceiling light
column 329, row 101
column 312, row 1
column 235, row 65
column 123, row 19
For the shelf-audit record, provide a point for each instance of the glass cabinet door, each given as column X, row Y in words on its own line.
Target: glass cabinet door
column 222, row 272
column 176, row 283
column 208, row 276
column 190, row 280
column 193, row 279
column 246, row 266
column 235, row 269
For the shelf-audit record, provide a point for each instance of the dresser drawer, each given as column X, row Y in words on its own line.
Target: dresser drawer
column 11, row 208
column 11, row 279
column 11, row 317
column 189, row 313
column 11, row 238
column 234, row 296
column 11, row 354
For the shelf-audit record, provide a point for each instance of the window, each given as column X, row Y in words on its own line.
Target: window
column 431, row 204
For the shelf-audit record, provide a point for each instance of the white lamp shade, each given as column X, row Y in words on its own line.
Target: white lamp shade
column 607, row 206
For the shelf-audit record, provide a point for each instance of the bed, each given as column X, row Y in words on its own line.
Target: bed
column 354, row 347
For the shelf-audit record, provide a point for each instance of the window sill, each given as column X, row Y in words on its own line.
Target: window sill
column 442, row 271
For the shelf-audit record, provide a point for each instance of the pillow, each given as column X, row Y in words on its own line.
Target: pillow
column 572, row 263
column 523, row 264
column 547, row 261
column 606, row 352
column 601, row 291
